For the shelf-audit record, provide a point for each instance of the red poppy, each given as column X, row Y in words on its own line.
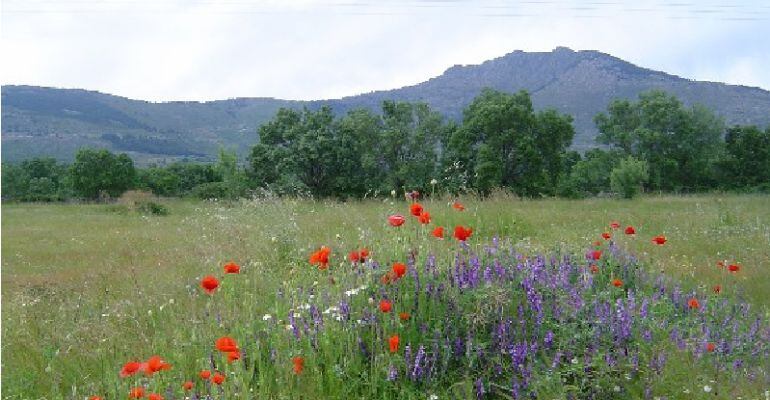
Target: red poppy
column 226, row 344
column 218, row 378
column 399, row 269
column 617, row 282
column 393, row 343
column 717, row 289
column 606, row 235
column 458, row 206
column 364, row 254
column 354, row 256
column 385, row 306
column 154, row 396
column 415, row 209
column 155, row 364
column 594, row 268
column 439, row 232
column 630, row 230
column 232, row 268
column 597, row 243
column 396, row 220
column 321, row 257
column 233, row 356
column 614, row 224
column 188, row 386
column 462, row 233
column 424, row 218
column 205, row 374
column 130, row 368
column 299, row 364
column 710, row 347
column 94, row 398
column 693, row 303
column 209, row 283
column 136, row 393
column 659, row 240
column 404, row 316
column 733, row 267
column 596, row 254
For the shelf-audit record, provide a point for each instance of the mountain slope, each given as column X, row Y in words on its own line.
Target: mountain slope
column 46, row 121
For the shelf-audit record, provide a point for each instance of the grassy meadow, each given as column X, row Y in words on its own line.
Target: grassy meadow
column 86, row 288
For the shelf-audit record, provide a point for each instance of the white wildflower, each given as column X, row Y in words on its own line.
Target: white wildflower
column 267, row 317
column 707, row 388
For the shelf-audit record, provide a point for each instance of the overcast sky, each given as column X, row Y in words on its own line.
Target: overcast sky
column 312, row 49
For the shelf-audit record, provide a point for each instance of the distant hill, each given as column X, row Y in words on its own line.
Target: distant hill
column 46, row 121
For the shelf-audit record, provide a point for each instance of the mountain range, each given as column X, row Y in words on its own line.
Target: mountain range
column 42, row 121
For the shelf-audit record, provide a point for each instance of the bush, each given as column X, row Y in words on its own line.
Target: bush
column 628, row 177
column 589, row 176
column 211, row 190
column 151, row 207
column 141, row 202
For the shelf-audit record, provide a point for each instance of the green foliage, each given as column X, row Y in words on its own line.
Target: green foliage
column 747, row 159
column 311, row 152
column 96, row 173
column 210, row 191
column 590, row 175
column 628, row 177
column 234, row 179
column 177, row 179
column 38, row 179
column 680, row 145
column 505, row 143
column 502, row 143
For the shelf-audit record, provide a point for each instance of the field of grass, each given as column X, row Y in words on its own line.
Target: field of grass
column 86, row 288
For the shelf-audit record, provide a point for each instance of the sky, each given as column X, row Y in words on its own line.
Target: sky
column 164, row 50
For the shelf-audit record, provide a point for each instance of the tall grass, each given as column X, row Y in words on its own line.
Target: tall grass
column 86, row 288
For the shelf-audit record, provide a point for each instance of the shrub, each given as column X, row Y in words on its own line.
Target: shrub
column 141, row 202
column 628, row 177
column 211, row 190
column 151, row 207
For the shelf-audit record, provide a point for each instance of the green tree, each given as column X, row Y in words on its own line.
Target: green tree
column 505, row 143
column 681, row 145
column 360, row 153
column 409, row 141
column 99, row 171
column 37, row 179
column 234, row 179
column 359, row 165
column 629, row 176
column 591, row 174
column 747, row 157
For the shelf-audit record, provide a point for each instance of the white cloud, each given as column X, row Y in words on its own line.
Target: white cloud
column 201, row 49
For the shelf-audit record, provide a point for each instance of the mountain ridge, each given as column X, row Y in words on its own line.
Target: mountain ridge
column 51, row 121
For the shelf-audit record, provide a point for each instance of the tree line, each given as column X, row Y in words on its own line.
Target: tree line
column 653, row 143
